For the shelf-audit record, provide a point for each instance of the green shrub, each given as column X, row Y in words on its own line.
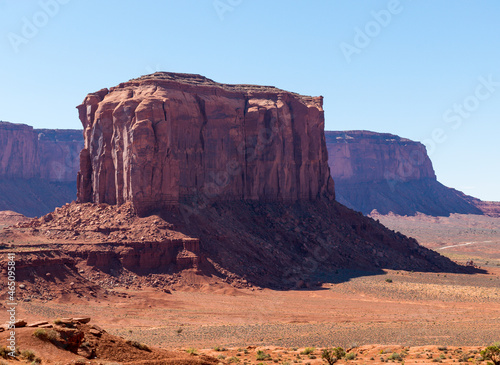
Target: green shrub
column 331, row 356
column 28, row 355
column 233, row 360
column 192, row 351
column 308, row 351
column 4, row 352
column 395, row 356
column 388, row 280
column 492, row 353
column 43, row 334
column 350, row 356
column 261, row 355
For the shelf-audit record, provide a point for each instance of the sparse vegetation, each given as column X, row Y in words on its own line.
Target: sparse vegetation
column 395, row 356
column 43, row 334
column 331, row 356
column 350, row 356
column 192, row 351
column 261, row 355
column 233, row 359
column 28, row 355
column 308, row 350
column 492, row 354
column 4, row 352
column 388, row 280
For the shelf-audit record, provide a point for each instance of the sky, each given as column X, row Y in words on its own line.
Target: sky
column 428, row 70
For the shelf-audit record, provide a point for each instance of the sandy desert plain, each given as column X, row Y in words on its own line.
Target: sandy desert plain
column 400, row 316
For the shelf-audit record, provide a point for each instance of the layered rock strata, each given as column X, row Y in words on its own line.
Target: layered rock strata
column 387, row 173
column 38, row 168
column 167, row 138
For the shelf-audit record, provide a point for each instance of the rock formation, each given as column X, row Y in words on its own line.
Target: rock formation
column 168, row 138
column 18, row 146
column 390, row 174
column 59, row 153
column 241, row 170
column 38, row 168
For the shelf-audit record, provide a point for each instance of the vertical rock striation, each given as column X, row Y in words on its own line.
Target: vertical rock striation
column 166, row 138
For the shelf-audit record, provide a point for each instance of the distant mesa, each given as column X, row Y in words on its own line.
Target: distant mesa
column 388, row 173
column 242, row 168
column 180, row 174
column 38, row 168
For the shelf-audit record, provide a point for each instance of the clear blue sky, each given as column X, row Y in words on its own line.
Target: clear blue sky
column 416, row 74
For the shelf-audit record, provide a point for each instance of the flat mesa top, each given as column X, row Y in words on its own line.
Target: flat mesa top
column 199, row 80
column 356, row 135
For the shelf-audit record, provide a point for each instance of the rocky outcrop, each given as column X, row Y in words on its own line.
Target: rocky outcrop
column 390, row 174
column 38, row 168
column 241, row 168
column 168, row 138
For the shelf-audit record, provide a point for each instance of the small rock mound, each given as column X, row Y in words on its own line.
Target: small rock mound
column 76, row 340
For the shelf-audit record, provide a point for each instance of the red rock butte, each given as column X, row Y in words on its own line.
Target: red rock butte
column 165, row 138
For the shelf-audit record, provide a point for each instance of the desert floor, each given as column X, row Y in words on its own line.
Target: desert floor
column 426, row 317
column 414, row 309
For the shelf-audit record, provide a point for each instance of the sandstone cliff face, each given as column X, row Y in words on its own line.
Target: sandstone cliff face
column 49, row 154
column 18, row 151
column 390, row 174
column 59, row 152
column 363, row 156
column 38, row 167
column 167, row 138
